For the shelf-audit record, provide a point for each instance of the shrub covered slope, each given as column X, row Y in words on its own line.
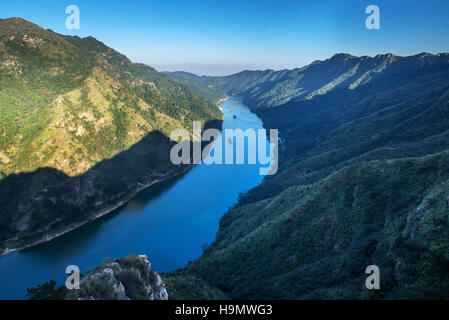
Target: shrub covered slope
column 363, row 179
column 82, row 128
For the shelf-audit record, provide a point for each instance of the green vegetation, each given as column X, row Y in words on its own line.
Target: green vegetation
column 315, row 241
column 201, row 85
column 47, row 291
column 129, row 277
column 82, row 129
column 125, row 278
column 363, row 166
column 181, row 286
column 363, row 179
column 68, row 103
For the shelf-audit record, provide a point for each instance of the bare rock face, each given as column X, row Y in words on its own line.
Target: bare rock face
column 128, row 278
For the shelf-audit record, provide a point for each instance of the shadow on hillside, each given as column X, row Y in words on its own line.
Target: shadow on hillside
column 47, row 201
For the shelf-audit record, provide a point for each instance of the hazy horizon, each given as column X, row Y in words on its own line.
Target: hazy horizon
column 174, row 69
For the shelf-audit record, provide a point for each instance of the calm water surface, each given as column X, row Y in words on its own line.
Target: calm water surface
column 169, row 222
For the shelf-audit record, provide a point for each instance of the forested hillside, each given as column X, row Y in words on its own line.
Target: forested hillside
column 363, row 179
column 69, row 103
column 201, row 85
column 82, row 129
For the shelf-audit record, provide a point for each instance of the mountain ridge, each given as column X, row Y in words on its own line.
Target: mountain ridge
column 92, row 90
column 362, row 180
column 83, row 129
column 364, row 69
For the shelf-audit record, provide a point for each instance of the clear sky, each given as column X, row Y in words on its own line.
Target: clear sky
column 227, row 36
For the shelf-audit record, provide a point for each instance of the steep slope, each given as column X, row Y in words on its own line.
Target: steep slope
column 187, row 287
column 315, row 241
column 343, row 73
column 82, row 129
column 363, row 179
column 199, row 84
column 128, row 278
column 68, row 103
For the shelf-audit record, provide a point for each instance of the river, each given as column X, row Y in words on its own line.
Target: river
column 170, row 222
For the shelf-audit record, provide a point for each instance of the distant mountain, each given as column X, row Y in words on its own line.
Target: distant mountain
column 82, row 128
column 201, row 85
column 363, row 179
column 271, row 88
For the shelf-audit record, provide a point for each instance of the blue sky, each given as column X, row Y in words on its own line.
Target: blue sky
column 227, row 36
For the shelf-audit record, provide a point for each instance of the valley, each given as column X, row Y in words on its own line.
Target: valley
column 363, row 172
column 83, row 129
column 184, row 206
column 363, row 179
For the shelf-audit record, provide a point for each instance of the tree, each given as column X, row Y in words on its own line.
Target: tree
column 47, row 291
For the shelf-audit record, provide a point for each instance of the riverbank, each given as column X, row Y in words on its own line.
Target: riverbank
column 90, row 210
column 219, row 102
column 169, row 221
column 104, row 211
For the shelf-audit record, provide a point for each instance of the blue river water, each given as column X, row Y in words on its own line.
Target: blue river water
column 169, row 222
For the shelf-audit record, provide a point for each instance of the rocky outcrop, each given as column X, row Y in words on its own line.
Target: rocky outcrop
column 129, row 278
